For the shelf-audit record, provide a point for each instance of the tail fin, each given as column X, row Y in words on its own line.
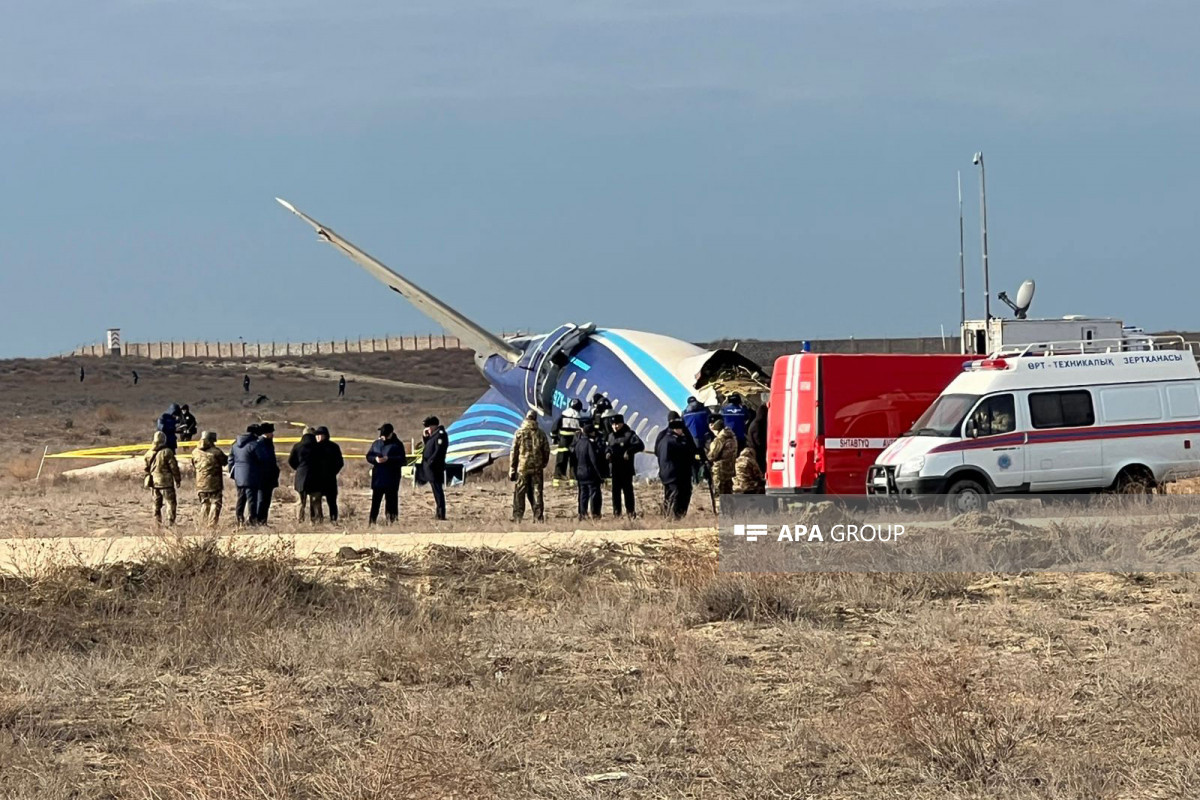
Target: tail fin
column 476, row 337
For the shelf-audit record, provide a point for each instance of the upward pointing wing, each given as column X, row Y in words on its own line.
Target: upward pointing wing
column 469, row 333
column 484, row 432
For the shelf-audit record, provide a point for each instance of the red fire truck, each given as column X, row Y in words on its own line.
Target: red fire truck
column 831, row 414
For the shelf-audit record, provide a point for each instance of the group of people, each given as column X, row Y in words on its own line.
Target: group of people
column 178, row 424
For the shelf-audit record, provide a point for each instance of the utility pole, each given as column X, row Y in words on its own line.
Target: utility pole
column 987, row 300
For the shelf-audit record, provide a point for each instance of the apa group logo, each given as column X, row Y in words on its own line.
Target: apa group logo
column 840, row 533
column 751, row 533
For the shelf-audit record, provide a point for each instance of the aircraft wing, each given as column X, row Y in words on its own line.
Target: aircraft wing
column 484, row 432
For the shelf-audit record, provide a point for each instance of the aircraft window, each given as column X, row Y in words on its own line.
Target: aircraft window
column 623, row 409
column 579, row 389
column 571, row 379
column 641, row 425
column 653, row 434
column 632, row 419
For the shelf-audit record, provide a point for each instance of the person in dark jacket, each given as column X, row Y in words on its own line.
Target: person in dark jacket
column 600, row 404
column 342, row 386
column 756, row 436
column 623, row 445
column 166, row 424
column 386, row 458
column 135, row 377
column 309, row 483
column 244, row 470
column 736, row 417
column 246, row 384
column 268, row 469
column 433, row 463
column 696, row 418
column 186, row 425
column 331, row 462
column 591, row 470
column 676, row 454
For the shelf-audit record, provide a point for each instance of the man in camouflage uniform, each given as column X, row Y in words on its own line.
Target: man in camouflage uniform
column 163, row 470
column 530, row 454
column 210, row 461
column 747, row 475
column 722, row 454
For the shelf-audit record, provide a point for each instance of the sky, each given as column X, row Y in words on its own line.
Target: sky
column 703, row 169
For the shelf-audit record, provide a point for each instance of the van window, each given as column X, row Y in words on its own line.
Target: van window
column 1061, row 409
column 1131, row 403
column 1182, row 401
column 944, row 416
column 995, row 415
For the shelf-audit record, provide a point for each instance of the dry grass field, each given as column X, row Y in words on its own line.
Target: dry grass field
column 234, row 671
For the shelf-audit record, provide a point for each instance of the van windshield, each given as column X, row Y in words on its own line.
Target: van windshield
column 944, row 416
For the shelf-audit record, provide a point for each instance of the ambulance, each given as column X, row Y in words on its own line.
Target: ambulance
column 1119, row 414
column 832, row 414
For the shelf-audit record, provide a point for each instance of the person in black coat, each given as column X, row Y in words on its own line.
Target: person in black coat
column 386, row 458
column 623, row 445
column 591, row 470
column 268, row 469
column 305, row 459
column 433, row 463
column 331, row 462
column 676, row 453
column 756, row 436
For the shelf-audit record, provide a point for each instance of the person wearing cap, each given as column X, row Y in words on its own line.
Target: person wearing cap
column 600, row 404
column 166, row 425
column 696, row 417
column 186, row 426
column 565, row 430
column 433, row 463
column 623, row 445
column 162, row 476
column 590, row 470
column 386, row 458
column 527, row 466
column 722, row 454
column 331, row 462
column 676, row 453
column 305, row 459
column 736, row 417
column 210, row 462
column 268, row 469
column 244, row 469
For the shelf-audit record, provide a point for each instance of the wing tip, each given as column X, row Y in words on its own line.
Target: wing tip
column 286, row 205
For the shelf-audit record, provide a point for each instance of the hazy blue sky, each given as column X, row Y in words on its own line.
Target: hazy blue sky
column 749, row 168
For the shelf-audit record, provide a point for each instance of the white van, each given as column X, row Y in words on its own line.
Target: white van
column 1054, row 417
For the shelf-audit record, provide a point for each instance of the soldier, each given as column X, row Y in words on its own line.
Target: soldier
column 305, row 459
column 747, row 477
column 590, row 470
column 186, row 427
column 433, row 463
column 530, row 454
column 565, row 430
column 162, row 476
column 210, row 462
column 623, row 445
column 722, row 454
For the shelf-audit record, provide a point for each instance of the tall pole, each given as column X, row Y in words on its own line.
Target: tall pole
column 987, row 299
column 962, row 281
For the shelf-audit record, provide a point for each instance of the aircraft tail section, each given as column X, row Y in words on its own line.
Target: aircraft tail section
column 473, row 335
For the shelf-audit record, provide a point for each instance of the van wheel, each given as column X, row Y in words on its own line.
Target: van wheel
column 1134, row 480
column 966, row 496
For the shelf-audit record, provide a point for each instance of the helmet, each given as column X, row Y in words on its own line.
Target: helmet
column 597, row 397
column 576, row 404
column 735, row 398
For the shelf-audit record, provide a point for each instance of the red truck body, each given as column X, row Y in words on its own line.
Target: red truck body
column 832, row 414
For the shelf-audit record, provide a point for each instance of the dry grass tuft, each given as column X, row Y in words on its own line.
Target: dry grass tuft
column 23, row 468
column 109, row 413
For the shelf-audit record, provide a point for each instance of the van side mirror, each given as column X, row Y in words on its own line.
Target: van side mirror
column 970, row 430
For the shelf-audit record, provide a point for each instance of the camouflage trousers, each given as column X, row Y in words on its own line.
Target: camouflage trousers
column 210, row 507
column 529, row 487
column 164, row 497
column 311, row 504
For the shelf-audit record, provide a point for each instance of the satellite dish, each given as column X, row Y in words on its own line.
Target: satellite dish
column 1024, row 299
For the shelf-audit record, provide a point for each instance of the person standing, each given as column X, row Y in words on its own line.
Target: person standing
column 736, row 417
column 342, row 386
column 331, row 462
column 162, row 476
column 747, row 477
column 135, row 377
column 186, row 427
column 81, row 373
column 566, row 428
column 433, row 463
column 386, row 458
column 166, row 426
column 527, row 464
column 676, row 454
column 305, row 459
column 246, row 383
column 623, row 445
column 696, row 418
column 600, row 404
column 244, row 469
column 268, row 469
column 722, row 454
column 210, row 462
column 756, row 436
column 591, row 470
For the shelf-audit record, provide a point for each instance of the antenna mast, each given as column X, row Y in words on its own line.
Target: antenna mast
column 962, row 285
column 987, row 299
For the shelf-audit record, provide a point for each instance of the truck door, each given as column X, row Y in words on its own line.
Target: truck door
column 997, row 447
column 792, row 434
